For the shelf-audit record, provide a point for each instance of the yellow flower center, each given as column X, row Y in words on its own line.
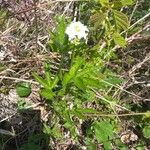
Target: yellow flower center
column 77, row 28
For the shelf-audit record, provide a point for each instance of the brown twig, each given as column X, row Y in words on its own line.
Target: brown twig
column 36, row 25
column 18, row 79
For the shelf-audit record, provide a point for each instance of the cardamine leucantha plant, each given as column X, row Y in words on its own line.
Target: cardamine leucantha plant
column 82, row 86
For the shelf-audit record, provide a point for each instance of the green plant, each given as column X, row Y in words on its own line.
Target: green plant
column 82, row 76
column 67, row 91
column 103, row 135
column 146, row 131
column 23, row 89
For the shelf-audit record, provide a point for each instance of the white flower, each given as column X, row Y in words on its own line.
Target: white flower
column 77, row 30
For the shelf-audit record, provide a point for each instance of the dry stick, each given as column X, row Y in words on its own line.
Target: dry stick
column 6, row 132
column 67, row 7
column 131, row 38
column 134, row 9
column 36, row 24
column 37, row 58
column 98, row 95
column 115, row 112
column 143, row 18
column 133, row 69
column 18, row 79
column 24, row 11
column 137, row 66
column 119, row 87
column 7, row 118
column 28, row 107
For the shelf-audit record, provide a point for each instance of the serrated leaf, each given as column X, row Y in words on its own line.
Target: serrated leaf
column 47, row 74
column 126, row 2
column 78, row 114
column 23, row 89
column 104, row 3
column 146, row 116
column 91, row 82
column 119, row 40
column 59, row 41
column 47, row 129
column 79, row 83
column 146, row 131
column 72, row 72
column 47, row 94
column 122, row 3
column 54, row 82
column 121, row 20
column 40, row 80
column 78, row 62
column 97, row 19
column 52, row 131
column 103, row 132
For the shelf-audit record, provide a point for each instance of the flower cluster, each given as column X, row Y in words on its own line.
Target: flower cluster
column 77, row 30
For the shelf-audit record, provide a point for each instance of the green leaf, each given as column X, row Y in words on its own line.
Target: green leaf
column 121, row 20
column 23, row 89
column 120, row 144
column 122, row 3
column 73, row 71
column 47, row 83
column 77, row 113
column 77, row 64
column 47, row 94
column 146, row 131
column 91, row 82
column 59, row 41
column 119, row 40
column 97, row 19
column 103, row 132
column 79, row 83
column 69, row 124
column 40, row 80
column 52, row 131
column 90, row 145
column 104, row 3
column 82, row 112
column 47, row 74
column 113, row 80
column 47, row 129
column 126, row 2
column 21, row 103
column 54, row 82
column 87, row 110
